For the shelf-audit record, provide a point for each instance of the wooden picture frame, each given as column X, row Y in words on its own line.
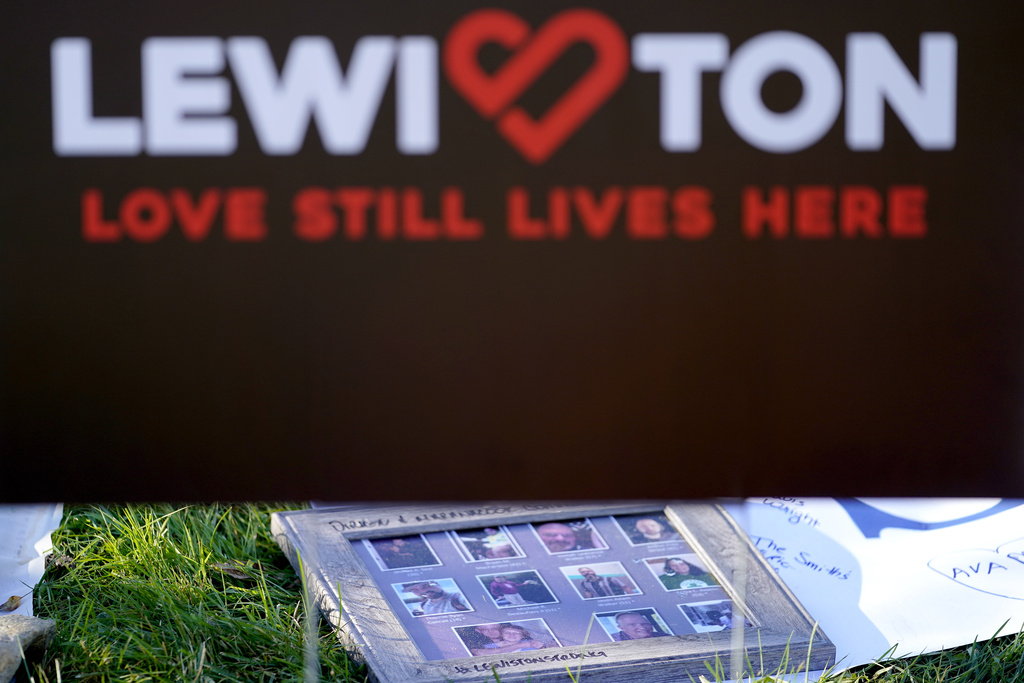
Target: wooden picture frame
column 411, row 619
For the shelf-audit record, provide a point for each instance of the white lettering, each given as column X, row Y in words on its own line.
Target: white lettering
column 311, row 83
column 75, row 131
column 680, row 58
column 813, row 115
column 176, row 104
column 876, row 75
column 186, row 93
column 416, row 95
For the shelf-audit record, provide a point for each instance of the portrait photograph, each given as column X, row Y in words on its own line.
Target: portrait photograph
column 597, row 580
column 633, row 624
column 498, row 638
column 402, row 552
column 680, row 572
column 486, row 544
column 568, row 536
column 516, row 589
column 715, row 615
column 437, row 596
column 647, row 528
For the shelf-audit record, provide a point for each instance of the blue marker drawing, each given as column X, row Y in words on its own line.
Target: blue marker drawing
column 996, row 572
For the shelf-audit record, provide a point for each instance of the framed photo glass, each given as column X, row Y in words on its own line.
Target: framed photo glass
column 435, row 593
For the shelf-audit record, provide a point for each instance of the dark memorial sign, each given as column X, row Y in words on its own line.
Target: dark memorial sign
column 434, row 250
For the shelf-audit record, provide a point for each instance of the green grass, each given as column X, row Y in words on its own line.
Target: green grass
column 142, row 601
column 139, row 599
column 997, row 660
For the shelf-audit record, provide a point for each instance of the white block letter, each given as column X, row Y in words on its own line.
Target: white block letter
column 173, row 97
column 876, row 75
column 75, row 131
column 311, row 82
column 681, row 58
column 416, row 95
column 813, row 115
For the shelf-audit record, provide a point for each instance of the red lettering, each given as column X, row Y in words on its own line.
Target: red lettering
column 387, row 213
column 244, row 214
column 598, row 216
column 195, row 219
column 354, row 202
column 813, row 210
column 775, row 212
column 453, row 220
column 145, row 215
column 94, row 227
column 558, row 213
column 906, row 211
column 859, row 210
column 414, row 225
column 520, row 225
column 645, row 212
column 691, row 207
column 314, row 219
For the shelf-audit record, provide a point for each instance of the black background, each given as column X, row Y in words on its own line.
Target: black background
column 500, row 368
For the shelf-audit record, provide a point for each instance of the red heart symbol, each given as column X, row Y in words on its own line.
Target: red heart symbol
column 491, row 95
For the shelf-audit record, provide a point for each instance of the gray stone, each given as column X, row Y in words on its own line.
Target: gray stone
column 34, row 635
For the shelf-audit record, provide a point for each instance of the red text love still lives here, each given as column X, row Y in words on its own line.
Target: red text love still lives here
column 388, row 213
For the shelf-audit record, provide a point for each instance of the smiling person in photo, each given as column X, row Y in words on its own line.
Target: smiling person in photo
column 635, row 626
column 434, row 599
column 569, row 536
column 680, row 574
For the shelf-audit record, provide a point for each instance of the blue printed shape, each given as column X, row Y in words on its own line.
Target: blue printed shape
column 871, row 521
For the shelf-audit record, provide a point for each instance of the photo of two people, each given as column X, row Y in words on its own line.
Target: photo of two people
column 506, row 637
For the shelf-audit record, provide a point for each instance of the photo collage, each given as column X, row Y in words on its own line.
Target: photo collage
column 505, row 589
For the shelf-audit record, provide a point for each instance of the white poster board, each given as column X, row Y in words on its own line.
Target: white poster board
column 24, row 541
column 913, row 576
